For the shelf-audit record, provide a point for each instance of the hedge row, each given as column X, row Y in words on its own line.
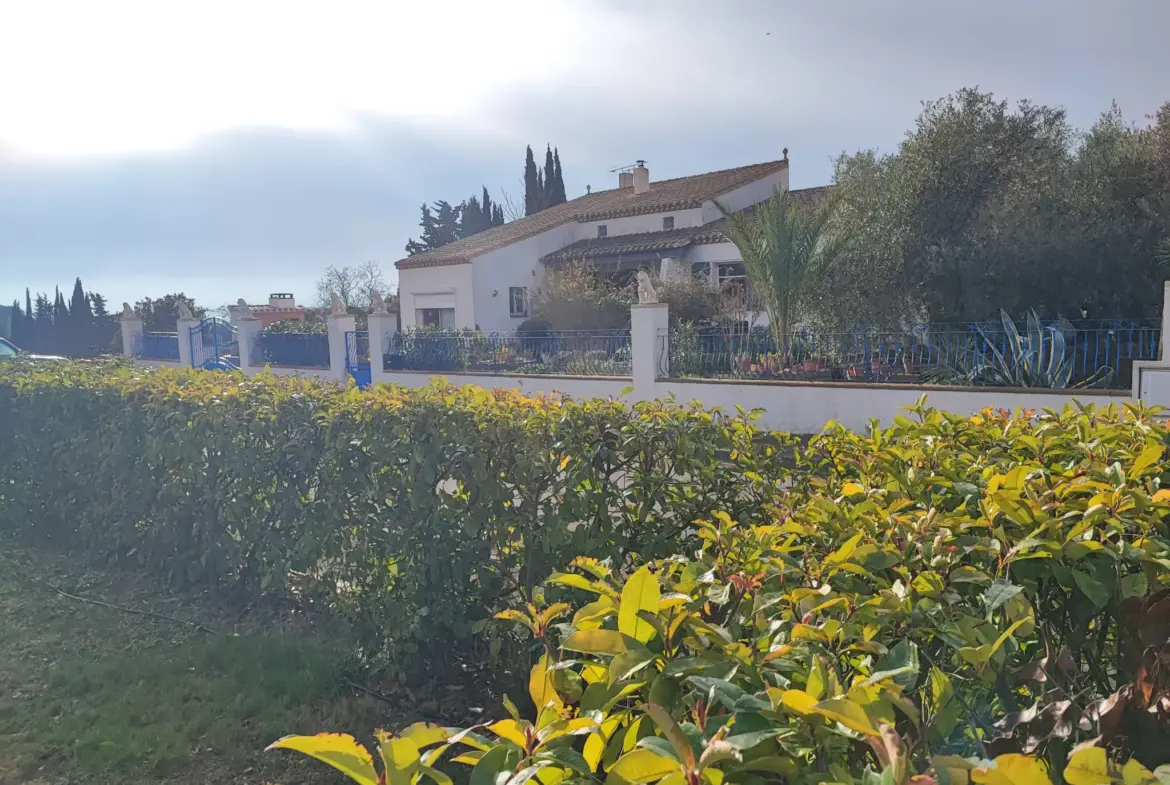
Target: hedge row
column 954, row 599
column 417, row 512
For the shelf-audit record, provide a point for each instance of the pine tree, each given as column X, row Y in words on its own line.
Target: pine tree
column 446, row 224
column 97, row 304
column 559, row 196
column 428, row 233
column 532, row 190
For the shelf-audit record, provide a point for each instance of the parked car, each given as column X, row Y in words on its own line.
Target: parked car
column 9, row 352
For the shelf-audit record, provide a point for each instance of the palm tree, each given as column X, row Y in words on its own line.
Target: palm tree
column 787, row 250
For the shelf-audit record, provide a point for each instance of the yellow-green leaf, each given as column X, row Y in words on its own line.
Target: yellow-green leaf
column 339, row 750
column 540, row 685
column 1146, row 459
column 641, row 593
column 1091, row 766
column 399, row 758
column 425, row 733
column 510, row 730
column 1012, row 769
column 798, row 701
column 640, row 766
column 845, row 551
column 596, row 642
column 850, row 714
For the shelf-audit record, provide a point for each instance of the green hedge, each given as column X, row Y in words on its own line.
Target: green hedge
column 953, row 600
column 416, row 512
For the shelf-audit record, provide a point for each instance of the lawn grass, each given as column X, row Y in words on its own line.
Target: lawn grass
column 96, row 695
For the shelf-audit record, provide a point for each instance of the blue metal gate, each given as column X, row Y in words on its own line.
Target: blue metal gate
column 357, row 357
column 215, row 345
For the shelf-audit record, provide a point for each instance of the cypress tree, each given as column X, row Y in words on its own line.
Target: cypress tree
column 531, row 185
column 549, row 193
column 28, row 309
column 559, row 196
column 497, row 215
column 80, row 321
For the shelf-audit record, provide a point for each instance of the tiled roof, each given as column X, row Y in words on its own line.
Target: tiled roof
column 672, row 239
column 664, row 195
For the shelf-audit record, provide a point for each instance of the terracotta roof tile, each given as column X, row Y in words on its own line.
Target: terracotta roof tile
column 664, row 195
column 671, row 239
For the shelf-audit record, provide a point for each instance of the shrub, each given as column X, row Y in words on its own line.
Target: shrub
column 301, row 326
column 925, row 597
column 416, row 513
column 575, row 297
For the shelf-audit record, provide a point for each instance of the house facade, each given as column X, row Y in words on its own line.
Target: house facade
column 672, row 227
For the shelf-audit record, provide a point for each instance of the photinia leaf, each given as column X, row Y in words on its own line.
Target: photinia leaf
column 339, row 750
column 641, row 593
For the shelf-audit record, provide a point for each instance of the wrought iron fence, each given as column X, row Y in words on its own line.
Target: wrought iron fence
column 160, row 346
column 304, row 350
column 1101, row 352
column 561, row 353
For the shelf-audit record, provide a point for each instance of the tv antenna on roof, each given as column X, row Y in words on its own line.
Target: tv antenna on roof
column 628, row 167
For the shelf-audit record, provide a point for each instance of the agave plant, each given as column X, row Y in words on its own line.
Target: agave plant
column 1037, row 357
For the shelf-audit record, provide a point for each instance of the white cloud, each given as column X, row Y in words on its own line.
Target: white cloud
column 79, row 78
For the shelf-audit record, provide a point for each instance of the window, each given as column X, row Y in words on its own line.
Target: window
column 7, row 350
column 731, row 271
column 668, row 223
column 518, row 300
column 701, row 270
column 602, row 230
column 440, row 318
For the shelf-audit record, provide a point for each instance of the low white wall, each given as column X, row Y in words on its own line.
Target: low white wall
column 805, row 408
column 575, row 386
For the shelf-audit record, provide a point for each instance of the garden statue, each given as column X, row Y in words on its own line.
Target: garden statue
column 377, row 305
column 336, row 308
column 185, row 314
column 646, row 293
column 242, row 309
column 128, row 312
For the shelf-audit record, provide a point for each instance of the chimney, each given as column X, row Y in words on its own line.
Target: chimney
column 641, row 178
column 625, row 179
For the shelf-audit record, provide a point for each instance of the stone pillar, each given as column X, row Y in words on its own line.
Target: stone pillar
column 339, row 325
column 648, row 345
column 383, row 327
column 183, row 329
column 132, row 331
column 251, row 356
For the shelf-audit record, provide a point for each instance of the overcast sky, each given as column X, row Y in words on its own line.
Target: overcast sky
column 229, row 149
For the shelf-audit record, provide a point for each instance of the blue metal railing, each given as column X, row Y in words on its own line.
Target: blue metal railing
column 160, row 346
column 926, row 353
column 592, row 353
column 305, row 350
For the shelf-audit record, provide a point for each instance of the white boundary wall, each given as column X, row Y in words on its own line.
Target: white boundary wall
column 797, row 407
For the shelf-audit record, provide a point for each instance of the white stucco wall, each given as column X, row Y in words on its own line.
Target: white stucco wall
column 793, row 407
column 635, row 224
column 746, row 195
column 517, row 264
column 449, row 286
column 805, row 408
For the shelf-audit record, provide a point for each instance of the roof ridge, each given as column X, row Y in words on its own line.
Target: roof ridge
column 663, row 196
